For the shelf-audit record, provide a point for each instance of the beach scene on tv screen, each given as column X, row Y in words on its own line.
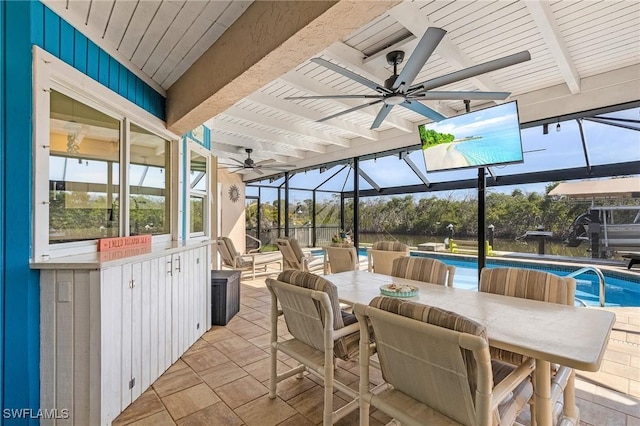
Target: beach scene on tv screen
column 480, row 138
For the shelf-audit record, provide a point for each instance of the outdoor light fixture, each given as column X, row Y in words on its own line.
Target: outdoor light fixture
column 545, row 128
column 323, row 169
column 558, row 126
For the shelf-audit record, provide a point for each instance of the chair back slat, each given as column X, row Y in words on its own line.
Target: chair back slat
column 291, row 261
column 423, row 269
column 383, row 253
column 228, row 257
column 297, row 250
column 344, row 347
column 390, row 246
column 342, row 259
column 527, row 284
column 303, row 314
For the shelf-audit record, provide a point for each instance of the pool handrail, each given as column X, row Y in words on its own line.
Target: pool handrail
column 600, row 276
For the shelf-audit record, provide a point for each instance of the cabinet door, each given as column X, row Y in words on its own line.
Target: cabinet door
column 184, row 279
column 113, row 308
column 189, row 298
column 126, row 333
column 176, row 305
column 203, row 291
column 137, row 290
column 196, row 295
column 161, row 272
column 146, row 285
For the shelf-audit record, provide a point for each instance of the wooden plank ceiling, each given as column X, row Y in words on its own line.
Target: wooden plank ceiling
column 585, row 54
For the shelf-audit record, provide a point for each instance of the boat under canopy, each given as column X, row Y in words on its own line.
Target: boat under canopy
column 606, row 227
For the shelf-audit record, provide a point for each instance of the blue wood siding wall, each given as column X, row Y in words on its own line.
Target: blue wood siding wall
column 3, row 181
column 57, row 37
column 207, row 137
column 21, row 331
column 185, row 187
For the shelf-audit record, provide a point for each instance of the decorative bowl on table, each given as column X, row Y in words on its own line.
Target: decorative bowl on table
column 398, row 290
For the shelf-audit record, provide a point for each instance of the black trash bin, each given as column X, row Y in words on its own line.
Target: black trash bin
column 225, row 296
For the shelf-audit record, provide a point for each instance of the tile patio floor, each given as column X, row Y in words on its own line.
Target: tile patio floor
column 223, row 379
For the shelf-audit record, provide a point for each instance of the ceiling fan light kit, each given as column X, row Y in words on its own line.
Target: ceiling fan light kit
column 399, row 89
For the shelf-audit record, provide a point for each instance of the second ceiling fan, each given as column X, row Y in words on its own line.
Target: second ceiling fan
column 250, row 164
column 400, row 90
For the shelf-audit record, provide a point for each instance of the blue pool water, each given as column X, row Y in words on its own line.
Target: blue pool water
column 620, row 289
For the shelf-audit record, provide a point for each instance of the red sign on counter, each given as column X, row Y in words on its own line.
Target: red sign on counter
column 120, row 243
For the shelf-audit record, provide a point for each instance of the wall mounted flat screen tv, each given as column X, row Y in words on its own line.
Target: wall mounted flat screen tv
column 481, row 138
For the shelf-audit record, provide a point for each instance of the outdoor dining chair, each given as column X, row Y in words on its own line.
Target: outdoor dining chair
column 439, row 366
column 294, row 258
column 231, row 258
column 423, row 269
column 341, row 259
column 534, row 285
column 319, row 332
column 383, row 253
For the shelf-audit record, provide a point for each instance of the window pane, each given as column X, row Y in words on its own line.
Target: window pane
column 198, row 173
column 83, row 171
column 197, row 214
column 150, row 177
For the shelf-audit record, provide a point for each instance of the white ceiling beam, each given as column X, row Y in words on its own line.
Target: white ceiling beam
column 315, row 88
column 296, row 129
column 542, row 14
column 225, row 155
column 413, row 19
column 355, row 59
column 261, row 150
column 269, row 137
column 597, row 91
column 301, row 111
column 401, row 140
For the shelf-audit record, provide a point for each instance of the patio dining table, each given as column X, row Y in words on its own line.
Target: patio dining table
column 575, row 337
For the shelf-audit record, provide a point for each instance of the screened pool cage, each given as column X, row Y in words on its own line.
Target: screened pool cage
column 322, row 203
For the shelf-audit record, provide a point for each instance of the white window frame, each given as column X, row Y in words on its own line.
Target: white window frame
column 50, row 73
column 206, row 195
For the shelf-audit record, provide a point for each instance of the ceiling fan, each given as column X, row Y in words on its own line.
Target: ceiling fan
column 399, row 90
column 248, row 163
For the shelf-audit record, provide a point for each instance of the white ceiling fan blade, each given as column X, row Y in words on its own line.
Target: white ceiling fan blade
column 428, row 43
column 460, row 96
column 382, row 114
column 257, row 170
column 422, row 109
column 275, row 169
column 346, row 111
column 237, row 161
column 227, row 165
column 334, row 97
column 267, row 161
column 349, row 74
column 473, row 71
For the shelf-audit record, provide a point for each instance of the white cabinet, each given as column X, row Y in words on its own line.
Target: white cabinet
column 109, row 333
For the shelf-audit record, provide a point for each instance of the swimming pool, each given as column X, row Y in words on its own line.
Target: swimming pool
column 621, row 289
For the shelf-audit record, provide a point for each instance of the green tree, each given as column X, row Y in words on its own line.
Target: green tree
column 430, row 137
